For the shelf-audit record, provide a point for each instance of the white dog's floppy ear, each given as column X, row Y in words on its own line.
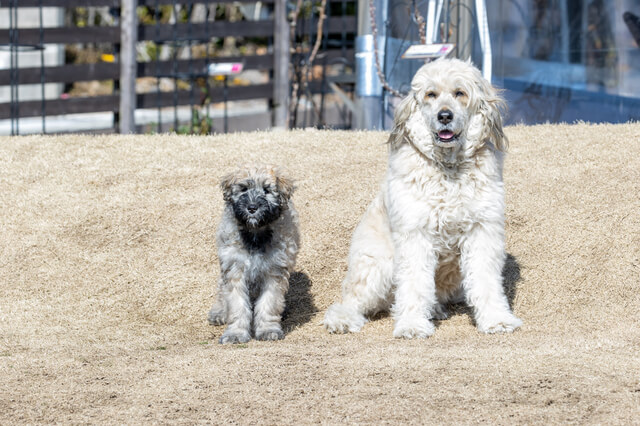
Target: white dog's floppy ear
column 489, row 107
column 402, row 113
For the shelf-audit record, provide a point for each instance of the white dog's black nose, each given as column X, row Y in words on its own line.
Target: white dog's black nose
column 445, row 116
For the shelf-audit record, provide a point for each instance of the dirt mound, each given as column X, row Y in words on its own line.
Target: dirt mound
column 108, row 268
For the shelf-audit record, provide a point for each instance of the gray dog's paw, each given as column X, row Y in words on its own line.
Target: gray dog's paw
column 270, row 334
column 216, row 317
column 235, row 337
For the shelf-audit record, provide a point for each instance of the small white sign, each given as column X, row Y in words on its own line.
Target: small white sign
column 425, row 51
column 225, row 68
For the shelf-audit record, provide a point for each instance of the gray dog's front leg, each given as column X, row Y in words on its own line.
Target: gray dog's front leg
column 269, row 308
column 238, row 306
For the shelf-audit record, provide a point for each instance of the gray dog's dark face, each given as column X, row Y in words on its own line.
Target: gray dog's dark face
column 256, row 196
column 255, row 206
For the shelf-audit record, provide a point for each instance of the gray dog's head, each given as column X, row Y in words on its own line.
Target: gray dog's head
column 257, row 195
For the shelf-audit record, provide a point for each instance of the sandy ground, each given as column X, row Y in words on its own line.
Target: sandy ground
column 108, row 267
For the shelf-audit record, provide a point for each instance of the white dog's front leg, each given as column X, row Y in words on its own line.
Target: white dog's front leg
column 269, row 308
column 482, row 259
column 238, row 306
column 414, row 276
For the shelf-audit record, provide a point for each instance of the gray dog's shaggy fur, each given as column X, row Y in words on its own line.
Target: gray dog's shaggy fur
column 258, row 241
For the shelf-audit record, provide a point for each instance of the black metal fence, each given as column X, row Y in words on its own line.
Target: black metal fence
column 178, row 41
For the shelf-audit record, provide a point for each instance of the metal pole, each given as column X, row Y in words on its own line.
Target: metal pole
column 14, row 50
column 156, row 14
column 369, row 95
column 431, row 22
column 462, row 37
column 174, row 59
column 225, row 95
column 190, row 72
column 128, row 39
column 42, row 91
column 281, row 83
column 485, row 38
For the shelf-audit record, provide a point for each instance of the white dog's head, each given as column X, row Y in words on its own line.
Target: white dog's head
column 451, row 108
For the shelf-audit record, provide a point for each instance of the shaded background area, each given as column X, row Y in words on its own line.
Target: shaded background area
column 108, row 269
column 557, row 60
column 563, row 61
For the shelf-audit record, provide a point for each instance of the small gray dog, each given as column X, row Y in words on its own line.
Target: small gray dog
column 258, row 241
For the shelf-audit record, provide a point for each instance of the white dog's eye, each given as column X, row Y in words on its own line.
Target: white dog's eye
column 459, row 93
column 431, row 95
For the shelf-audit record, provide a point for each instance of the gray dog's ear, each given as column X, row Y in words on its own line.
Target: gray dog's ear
column 226, row 184
column 490, row 107
column 402, row 113
column 285, row 187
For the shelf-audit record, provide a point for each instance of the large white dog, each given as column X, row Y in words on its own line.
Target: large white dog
column 435, row 233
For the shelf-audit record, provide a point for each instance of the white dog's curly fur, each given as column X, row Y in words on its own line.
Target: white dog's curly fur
column 435, row 232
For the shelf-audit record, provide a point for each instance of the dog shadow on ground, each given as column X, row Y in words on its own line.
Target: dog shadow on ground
column 300, row 306
column 510, row 275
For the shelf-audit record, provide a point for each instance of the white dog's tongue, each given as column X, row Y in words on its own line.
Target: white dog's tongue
column 445, row 135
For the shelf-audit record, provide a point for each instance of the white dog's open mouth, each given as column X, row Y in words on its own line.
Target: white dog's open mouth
column 446, row 136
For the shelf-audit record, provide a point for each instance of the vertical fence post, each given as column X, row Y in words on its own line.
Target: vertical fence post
column 128, row 65
column 281, row 83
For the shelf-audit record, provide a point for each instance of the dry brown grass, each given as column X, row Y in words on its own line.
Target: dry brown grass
column 108, row 266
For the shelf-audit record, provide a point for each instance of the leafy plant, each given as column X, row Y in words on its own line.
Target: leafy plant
column 200, row 124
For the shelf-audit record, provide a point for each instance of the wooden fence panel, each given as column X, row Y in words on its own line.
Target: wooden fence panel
column 180, row 34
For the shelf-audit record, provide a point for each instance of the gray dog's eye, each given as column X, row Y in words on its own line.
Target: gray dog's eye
column 242, row 188
column 267, row 189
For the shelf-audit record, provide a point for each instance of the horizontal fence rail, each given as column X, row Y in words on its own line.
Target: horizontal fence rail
column 147, row 100
column 107, row 71
column 112, row 3
column 162, row 33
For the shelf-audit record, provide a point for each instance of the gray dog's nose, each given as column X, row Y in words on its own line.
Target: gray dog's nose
column 252, row 208
column 445, row 116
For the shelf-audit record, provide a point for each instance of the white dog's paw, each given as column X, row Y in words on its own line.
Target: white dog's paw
column 216, row 316
column 504, row 322
column 238, row 336
column 343, row 319
column 413, row 328
column 273, row 333
column 440, row 312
